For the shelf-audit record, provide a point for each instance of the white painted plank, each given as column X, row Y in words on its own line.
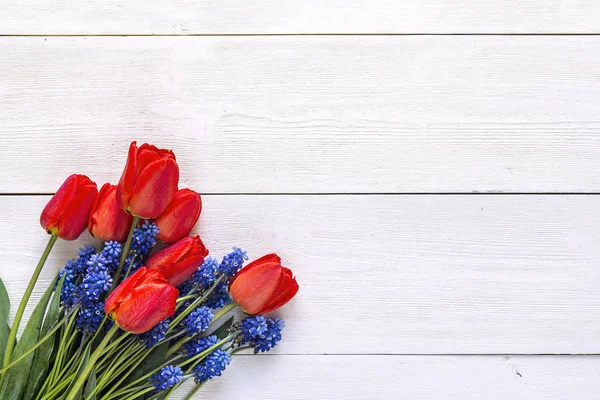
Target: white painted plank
column 397, row 274
column 307, row 114
column 410, row 377
column 297, row 16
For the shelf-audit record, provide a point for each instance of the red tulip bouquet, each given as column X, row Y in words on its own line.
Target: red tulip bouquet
column 123, row 322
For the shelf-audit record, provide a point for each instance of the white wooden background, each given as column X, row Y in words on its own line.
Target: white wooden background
column 429, row 169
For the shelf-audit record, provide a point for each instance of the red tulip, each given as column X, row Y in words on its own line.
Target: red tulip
column 67, row 212
column 263, row 285
column 141, row 301
column 180, row 260
column 149, row 181
column 107, row 220
column 181, row 215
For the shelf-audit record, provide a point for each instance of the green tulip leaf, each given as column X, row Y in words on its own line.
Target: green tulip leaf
column 41, row 362
column 15, row 379
column 90, row 386
column 223, row 331
column 4, row 310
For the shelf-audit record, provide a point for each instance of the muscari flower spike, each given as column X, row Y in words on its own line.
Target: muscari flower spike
column 94, row 285
column 259, row 332
column 156, row 334
column 219, row 297
column 270, row 339
column 252, row 327
column 144, row 239
column 85, row 253
column 213, row 366
column 207, row 273
column 89, row 317
column 112, row 253
column 69, row 287
column 167, row 377
column 198, row 320
column 73, row 270
column 198, row 345
column 233, row 262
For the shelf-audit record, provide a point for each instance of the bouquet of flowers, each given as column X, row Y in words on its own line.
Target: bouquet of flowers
column 124, row 320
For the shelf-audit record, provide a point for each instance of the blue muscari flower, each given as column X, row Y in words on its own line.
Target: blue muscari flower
column 168, row 377
column 198, row 345
column 213, row 366
column 94, row 285
column 259, row 332
column 112, row 253
column 271, row 337
column 207, row 273
column 252, row 327
column 69, row 287
column 156, row 334
column 89, row 317
column 219, row 297
column 85, row 253
column 185, row 288
column 233, row 262
column 144, row 239
column 198, row 320
column 97, row 263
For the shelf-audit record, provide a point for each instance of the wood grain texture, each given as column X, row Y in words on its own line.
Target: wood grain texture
column 411, row 377
column 307, row 114
column 297, row 16
column 396, row 274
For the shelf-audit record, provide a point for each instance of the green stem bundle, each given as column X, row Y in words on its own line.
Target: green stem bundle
column 12, row 336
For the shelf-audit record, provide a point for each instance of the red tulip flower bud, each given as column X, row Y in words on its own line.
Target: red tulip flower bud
column 141, row 301
column 179, row 261
column 149, row 181
column 107, row 220
column 263, row 285
column 67, row 212
column 179, row 218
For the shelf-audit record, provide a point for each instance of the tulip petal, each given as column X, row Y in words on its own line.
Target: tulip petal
column 145, row 156
column 65, row 194
column 154, row 188
column 147, row 305
column 127, row 181
column 170, row 254
column 107, row 220
column 287, row 291
column 74, row 219
column 180, row 260
column 180, row 216
column 121, row 292
column 253, row 290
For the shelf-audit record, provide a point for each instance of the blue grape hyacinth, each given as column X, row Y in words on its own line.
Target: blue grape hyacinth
column 198, row 320
column 198, row 345
column 213, row 366
column 167, row 377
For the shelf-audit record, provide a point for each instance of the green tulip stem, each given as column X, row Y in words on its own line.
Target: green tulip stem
column 12, row 336
column 130, row 266
column 82, row 379
column 124, row 253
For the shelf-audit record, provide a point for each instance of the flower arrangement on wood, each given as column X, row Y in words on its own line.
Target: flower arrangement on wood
column 122, row 320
